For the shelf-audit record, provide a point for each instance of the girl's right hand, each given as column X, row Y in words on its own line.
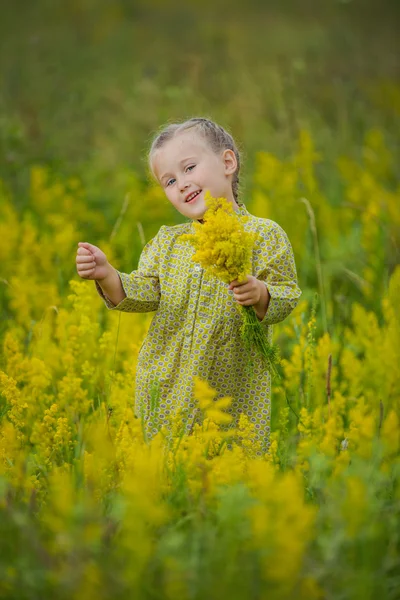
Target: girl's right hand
column 91, row 262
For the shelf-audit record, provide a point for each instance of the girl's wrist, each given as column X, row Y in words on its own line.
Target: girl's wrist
column 112, row 286
column 110, row 274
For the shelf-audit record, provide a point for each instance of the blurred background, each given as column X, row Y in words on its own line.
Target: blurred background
column 85, row 83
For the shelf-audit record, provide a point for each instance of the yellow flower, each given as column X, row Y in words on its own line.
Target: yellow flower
column 213, row 409
column 223, row 246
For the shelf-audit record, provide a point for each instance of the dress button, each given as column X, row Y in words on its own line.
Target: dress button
column 197, row 267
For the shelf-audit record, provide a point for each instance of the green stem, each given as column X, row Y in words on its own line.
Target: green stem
column 254, row 335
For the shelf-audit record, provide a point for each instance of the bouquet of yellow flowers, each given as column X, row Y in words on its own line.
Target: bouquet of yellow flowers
column 224, row 249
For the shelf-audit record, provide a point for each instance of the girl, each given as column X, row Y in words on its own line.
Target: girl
column 196, row 328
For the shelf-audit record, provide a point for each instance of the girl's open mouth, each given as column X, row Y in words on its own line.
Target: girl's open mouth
column 194, row 198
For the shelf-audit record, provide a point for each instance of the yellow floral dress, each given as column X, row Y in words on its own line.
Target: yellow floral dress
column 196, row 327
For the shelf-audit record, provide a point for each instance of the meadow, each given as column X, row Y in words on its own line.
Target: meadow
column 89, row 508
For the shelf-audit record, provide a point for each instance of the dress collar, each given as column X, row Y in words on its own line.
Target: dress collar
column 242, row 210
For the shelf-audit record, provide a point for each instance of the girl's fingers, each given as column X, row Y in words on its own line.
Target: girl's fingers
column 84, row 252
column 85, row 268
column 242, row 287
column 236, row 283
column 85, row 259
column 244, row 298
column 86, row 274
column 244, row 292
column 87, row 247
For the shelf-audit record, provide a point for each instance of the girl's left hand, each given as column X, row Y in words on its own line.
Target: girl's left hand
column 248, row 292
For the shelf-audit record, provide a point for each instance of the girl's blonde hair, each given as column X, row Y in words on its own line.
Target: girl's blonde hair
column 216, row 136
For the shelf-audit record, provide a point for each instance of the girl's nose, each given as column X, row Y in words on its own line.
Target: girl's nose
column 183, row 186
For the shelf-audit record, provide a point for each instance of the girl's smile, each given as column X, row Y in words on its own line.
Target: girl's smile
column 192, row 197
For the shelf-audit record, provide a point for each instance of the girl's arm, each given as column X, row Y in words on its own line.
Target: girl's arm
column 138, row 291
column 275, row 267
column 111, row 286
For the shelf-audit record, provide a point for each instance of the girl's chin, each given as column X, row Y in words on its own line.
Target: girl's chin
column 196, row 212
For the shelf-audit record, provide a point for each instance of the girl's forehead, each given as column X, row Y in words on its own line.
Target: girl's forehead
column 186, row 141
column 178, row 148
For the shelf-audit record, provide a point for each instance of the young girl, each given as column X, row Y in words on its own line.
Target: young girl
column 196, row 327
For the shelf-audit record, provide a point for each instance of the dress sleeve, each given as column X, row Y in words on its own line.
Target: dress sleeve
column 142, row 286
column 275, row 266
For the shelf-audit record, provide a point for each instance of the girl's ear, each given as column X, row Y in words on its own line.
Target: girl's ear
column 230, row 162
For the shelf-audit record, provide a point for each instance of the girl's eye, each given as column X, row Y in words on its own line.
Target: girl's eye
column 172, row 179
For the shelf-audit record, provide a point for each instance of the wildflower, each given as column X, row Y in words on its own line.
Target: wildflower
column 223, row 247
column 213, row 409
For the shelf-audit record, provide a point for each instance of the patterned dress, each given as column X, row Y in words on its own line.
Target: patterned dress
column 196, row 326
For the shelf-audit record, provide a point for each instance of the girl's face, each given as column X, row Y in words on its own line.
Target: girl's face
column 185, row 165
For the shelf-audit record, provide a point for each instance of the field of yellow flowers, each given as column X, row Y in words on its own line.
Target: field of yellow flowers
column 90, row 509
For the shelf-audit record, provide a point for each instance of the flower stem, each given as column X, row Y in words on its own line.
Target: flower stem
column 254, row 335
